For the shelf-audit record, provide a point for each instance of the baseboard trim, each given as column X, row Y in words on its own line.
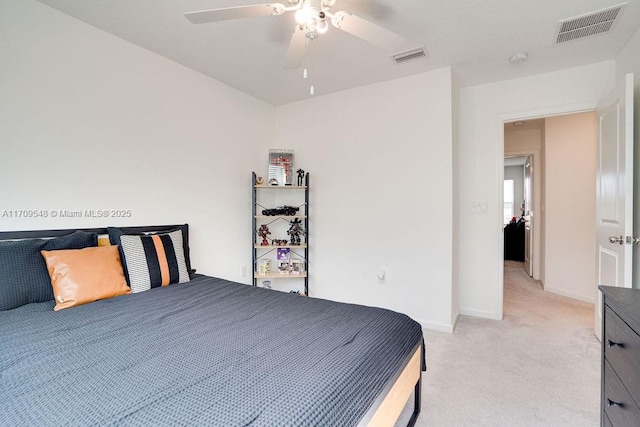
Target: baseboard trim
column 569, row 295
column 440, row 327
column 455, row 322
column 480, row 313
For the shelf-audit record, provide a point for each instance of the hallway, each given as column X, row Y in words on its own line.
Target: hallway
column 540, row 366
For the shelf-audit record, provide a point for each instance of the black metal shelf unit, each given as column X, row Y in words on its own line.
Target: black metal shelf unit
column 260, row 252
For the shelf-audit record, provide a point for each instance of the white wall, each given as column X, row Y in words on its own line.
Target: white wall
column 380, row 159
column 570, row 210
column 89, row 121
column 629, row 62
column 455, row 277
column 482, row 112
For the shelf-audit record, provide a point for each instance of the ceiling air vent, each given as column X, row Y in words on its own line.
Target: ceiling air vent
column 408, row 55
column 590, row 24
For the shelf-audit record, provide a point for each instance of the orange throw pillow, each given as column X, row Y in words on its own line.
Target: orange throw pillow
column 81, row 276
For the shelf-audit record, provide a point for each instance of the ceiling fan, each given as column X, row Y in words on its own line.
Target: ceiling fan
column 312, row 17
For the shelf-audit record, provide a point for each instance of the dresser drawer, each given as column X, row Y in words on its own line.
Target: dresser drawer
column 622, row 349
column 621, row 409
column 605, row 420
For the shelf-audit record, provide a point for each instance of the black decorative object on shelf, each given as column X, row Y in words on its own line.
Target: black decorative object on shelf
column 295, row 231
column 281, row 210
column 300, row 177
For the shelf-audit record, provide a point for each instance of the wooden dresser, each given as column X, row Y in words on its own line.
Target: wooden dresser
column 620, row 388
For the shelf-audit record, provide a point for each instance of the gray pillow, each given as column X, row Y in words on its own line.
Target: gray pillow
column 23, row 272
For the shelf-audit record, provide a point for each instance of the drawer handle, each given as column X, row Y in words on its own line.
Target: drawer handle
column 614, row 344
column 612, row 403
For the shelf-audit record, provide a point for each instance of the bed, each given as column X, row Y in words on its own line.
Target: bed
column 206, row 352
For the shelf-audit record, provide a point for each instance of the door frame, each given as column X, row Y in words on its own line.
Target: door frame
column 537, row 205
column 501, row 119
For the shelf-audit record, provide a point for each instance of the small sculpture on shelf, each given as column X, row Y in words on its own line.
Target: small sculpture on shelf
column 281, row 210
column 300, row 177
column 259, row 180
column 263, row 232
column 295, row 230
column 279, row 242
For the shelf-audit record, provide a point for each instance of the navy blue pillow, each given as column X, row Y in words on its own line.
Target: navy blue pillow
column 114, row 239
column 23, row 272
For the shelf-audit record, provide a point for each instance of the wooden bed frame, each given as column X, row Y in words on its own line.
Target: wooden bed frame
column 387, row 408
column 389, row 404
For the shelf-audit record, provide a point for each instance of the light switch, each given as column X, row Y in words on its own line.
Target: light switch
column 479, row 208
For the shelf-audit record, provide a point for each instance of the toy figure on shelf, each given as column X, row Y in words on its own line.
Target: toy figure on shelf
column 263, row 232
column 300, row 177
column 295, row 231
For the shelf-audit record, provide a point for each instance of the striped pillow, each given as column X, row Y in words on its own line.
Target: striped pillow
column 154, row 260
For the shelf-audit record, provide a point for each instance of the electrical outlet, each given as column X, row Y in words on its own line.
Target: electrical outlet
column 243, row 271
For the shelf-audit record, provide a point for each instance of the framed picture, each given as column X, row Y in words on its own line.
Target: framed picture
column 297, row 266
column 280, row 167
column 284, row 254
column 284, row 267
column 264, row 266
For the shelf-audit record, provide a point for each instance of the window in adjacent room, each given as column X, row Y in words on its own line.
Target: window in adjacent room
column 509, row 195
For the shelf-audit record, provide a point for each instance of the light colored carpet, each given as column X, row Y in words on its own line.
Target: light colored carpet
column 540, row 366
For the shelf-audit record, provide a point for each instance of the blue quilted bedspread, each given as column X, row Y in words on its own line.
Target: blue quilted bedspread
column 209, row 352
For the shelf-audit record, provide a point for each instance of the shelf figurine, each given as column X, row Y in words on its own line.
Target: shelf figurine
column 300, row 177
column 295, row 230
column 263, row 232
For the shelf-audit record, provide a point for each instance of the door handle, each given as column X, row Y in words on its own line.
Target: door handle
column 616, row 239
column 622, row 240
column 633, row 240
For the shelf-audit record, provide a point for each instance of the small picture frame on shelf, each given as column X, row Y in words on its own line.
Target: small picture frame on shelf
column 264, row 266
column 281, row 167
column 284, row 254
column 296, row 266
column 284, row 267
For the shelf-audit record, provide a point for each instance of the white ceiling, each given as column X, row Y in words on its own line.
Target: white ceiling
column 476, row 37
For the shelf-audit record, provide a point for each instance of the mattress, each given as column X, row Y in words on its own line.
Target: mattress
column 208, row 352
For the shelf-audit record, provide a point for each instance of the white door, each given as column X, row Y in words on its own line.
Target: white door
column 614, row 192
column 528, row 214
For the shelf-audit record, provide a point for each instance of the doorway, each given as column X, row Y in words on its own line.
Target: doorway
column 518, row 210
column 561, row 215
column 523, row 148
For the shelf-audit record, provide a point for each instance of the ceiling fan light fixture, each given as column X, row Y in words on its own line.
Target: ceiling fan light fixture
column 337, row 18
column 323, row 26
column 278, row 9
column 302, row 15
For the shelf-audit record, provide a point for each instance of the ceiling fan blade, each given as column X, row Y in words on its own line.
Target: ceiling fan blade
column 367, row 31
column 295, row 54
column 214, row 15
